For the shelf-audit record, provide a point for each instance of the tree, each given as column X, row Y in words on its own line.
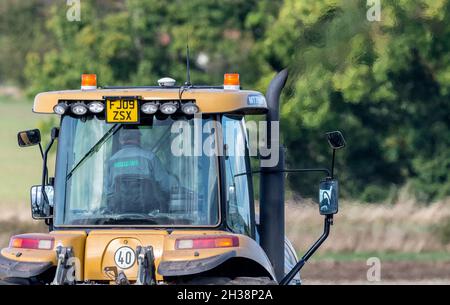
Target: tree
column 22, row 30
column 385, row 84
column 381, row 83
column 146, row 40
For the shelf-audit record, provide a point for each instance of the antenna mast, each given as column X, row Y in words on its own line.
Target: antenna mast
column 188, row 72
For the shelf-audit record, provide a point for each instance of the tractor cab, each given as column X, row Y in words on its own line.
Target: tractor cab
column 164, row 157
column 154, row 185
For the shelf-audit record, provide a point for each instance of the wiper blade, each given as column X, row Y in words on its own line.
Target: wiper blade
column 140, row 219
column 102, row 220
column 116, row 221
column 96, row 147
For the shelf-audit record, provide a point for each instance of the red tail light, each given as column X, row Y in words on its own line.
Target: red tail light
column 32, row 241
column 207, row 242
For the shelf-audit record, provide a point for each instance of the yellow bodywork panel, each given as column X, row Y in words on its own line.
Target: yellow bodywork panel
column 29, row 255
column 97, row 250
column 74, row 239
column 208, row 100
column 101, row 247
column 248, row 248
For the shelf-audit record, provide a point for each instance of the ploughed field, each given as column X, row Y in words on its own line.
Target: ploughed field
column 404, row 238
column 405, row 255
column 391, row 272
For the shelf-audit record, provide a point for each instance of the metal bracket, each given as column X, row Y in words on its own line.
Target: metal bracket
column 65, row 270
column 119, row 277
column 122, row 279
column 146, row 266
column 326, row 231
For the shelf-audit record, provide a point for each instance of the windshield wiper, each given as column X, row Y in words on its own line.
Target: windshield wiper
column 127, row 220
column 116, row 219
column 144, row 220
column 96, row 147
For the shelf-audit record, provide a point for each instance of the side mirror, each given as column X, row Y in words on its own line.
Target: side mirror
column 328, row 197
column 335, row 139
column 29, row 137
column 40, row 206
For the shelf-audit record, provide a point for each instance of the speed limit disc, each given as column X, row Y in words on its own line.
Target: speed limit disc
column 124, row 257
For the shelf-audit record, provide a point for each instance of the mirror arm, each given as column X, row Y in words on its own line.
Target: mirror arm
column 45, row 170
column 54, row 135
column 332, row 164
column 307, row 170
column 326, row 231
column 40, row 149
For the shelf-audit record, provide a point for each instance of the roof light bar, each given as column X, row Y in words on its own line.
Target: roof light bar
column 151, row 107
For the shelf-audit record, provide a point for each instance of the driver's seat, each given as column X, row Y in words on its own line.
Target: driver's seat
column 132, row 194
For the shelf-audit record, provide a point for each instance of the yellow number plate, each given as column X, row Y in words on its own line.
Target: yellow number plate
column 122, row 111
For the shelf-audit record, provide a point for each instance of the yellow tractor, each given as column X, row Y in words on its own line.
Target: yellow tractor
column 153, row 185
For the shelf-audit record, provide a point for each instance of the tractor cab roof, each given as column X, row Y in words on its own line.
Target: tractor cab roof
column 208, row 99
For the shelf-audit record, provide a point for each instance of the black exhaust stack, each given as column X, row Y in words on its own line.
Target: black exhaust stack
column 272, row 184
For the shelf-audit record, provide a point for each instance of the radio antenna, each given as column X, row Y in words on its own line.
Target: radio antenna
column 188, row 67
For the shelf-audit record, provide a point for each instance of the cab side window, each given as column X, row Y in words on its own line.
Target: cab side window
column 237, row 186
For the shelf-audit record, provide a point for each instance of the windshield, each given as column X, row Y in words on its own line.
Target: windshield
column 129, row 174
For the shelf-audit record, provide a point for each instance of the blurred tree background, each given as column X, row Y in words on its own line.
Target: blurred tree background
column 385, row 84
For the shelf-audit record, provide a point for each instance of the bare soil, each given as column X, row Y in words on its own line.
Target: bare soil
column 355, row 272
column 360, row 228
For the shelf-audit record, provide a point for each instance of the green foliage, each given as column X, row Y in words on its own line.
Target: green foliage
column 385, row 84
column 145, row 41
column 22, row 30
column 443, row 231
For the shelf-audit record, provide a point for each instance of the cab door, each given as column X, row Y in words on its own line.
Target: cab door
column 239, row 189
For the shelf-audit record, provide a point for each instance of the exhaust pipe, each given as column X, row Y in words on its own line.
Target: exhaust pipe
column 272, row 232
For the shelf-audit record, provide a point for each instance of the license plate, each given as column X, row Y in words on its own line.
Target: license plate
column 122, row 111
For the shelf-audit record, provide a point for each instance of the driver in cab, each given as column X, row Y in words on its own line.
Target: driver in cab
column 137, row 181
